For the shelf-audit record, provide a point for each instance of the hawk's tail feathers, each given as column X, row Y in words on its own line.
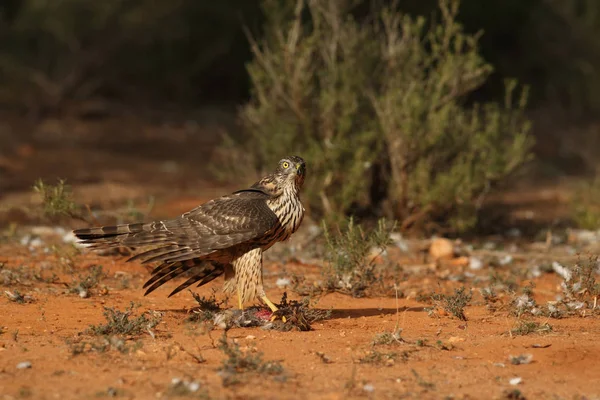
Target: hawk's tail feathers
column 163, row 254
column 204, row 279
column 108, row 232
column 132, row 235
column 162, row 274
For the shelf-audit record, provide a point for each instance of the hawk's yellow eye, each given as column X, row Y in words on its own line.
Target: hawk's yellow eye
column 285, row 164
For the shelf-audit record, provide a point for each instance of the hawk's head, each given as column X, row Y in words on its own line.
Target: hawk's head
column 292, row 169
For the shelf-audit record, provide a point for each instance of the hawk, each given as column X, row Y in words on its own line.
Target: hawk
column 225, row 236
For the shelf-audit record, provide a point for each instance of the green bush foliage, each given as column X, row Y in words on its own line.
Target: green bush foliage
column 379, row 110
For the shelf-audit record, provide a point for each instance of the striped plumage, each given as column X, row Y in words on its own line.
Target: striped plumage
column 225, row 236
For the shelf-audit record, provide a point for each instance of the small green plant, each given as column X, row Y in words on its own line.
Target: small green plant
column 443, row 346
column 524, row 328
column 454, row 304
column 524, row 303
column 585, row 204
column 208, row 307
column 11, row 276
column 86, row 282
column 379, row 358
column 43, row 277
column 388, row 338
column 121, row 323
column 103, row 345
column 503, row 281
column 237, row 363
column 57, row 200
column 582, row 284
column 512, row 394
column 490, row 297
column 351, row 257
column 66, row 257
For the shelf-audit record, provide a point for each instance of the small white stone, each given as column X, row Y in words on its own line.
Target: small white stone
column 24, row 365
column 507, row 259
column 520, row 359
column 475, row 263
column 283, row 282
column 399, row 241
column 34, row 243
column 194, row 386
column 515, row 381
column 369, row 388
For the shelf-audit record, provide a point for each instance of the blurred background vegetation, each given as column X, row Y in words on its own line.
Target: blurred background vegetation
column 407, row 103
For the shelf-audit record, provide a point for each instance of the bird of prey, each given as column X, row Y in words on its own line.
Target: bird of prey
column 225, row 236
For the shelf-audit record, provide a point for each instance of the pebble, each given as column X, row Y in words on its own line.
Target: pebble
column 475, row 263
column 515, row 381
column 520, row 359
column 24, row 365
column 283, row 282
column 369, row 388
column 441, row 248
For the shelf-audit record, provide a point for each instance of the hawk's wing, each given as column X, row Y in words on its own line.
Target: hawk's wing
column 215, row 225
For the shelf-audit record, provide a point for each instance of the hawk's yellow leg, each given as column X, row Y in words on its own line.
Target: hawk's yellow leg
column 269, row 303
column 240, row 304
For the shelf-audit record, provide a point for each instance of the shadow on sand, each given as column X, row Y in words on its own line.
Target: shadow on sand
column 370, row 312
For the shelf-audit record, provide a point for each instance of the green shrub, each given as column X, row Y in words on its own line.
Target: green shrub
column 378, row 109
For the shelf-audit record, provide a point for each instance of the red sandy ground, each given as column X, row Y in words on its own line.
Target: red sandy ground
column 471, row 369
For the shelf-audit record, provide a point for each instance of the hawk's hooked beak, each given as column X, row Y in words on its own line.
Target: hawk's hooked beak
column 300, row 169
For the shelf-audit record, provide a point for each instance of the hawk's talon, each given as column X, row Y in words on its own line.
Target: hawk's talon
column 274, row 309
column 275, row 316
